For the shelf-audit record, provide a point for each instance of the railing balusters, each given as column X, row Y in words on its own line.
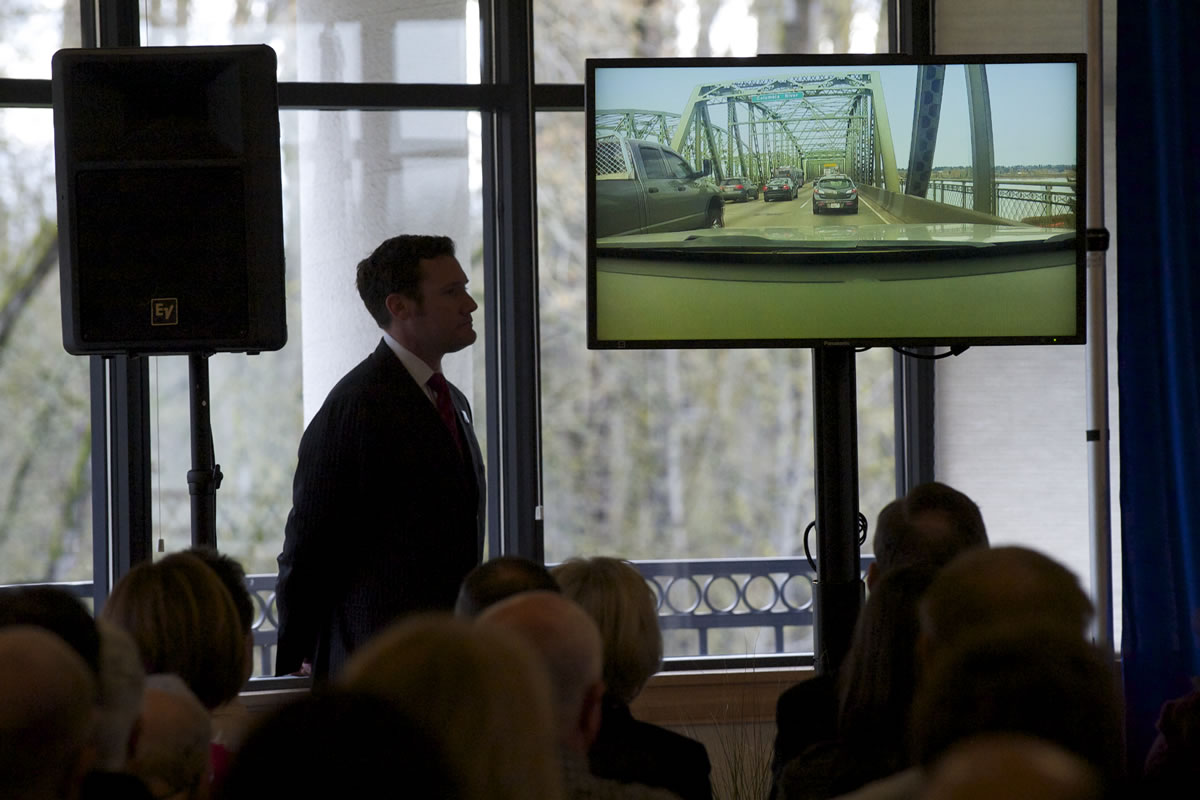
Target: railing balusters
column 722, row 597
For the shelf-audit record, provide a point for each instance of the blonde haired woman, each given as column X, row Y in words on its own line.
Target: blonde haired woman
column 616, row 596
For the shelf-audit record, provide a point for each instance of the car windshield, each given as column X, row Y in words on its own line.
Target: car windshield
column 732, row 181
column 778, row 182
column 836, row 183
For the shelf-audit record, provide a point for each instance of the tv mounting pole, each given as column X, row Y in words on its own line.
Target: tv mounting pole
column 838, row 590
column 204, row 478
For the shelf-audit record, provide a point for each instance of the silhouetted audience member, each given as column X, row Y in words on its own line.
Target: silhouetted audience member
column 980, row 595
column 1009, row 585
column 112, row 666
column 1004, row 766
column 616, row 597
column 876, row 687
column 231, row 719
column 1040, row 681
column 172, row 753
column 1173, row 761
column 122, row 680
column 184, row 622
column 47, row 703
column 498, row 578
column 930, row 525
column 57, row 611
column 480, row 693
column 571, row 648
column 342, row 744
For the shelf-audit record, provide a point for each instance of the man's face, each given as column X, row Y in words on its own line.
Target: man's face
column 440, row 322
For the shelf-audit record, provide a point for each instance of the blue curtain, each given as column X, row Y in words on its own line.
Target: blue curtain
column 1158, row 342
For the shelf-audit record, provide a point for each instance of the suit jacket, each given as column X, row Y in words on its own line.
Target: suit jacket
column 387, row 517
column 631, row 751
column 805, row 715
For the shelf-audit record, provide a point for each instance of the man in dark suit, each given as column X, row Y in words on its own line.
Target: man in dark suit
column 387, row 503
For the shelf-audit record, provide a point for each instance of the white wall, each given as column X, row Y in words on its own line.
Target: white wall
column 1011, row 421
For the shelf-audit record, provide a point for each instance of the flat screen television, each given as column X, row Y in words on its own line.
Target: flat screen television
column 868, row 200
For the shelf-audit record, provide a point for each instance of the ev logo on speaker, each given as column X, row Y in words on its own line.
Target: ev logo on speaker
column 164, row 311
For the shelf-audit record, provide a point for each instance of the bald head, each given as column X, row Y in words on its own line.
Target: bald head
column 47, row 697
column 1006, row 765
column 569, row 642
column 1004, row 585
column 172, row 751
column 498, row 578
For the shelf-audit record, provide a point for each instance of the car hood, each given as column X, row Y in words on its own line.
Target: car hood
column 838, row 237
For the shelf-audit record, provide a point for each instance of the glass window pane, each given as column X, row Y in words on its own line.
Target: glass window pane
column 351, row 180
column 568, row 32
column 31, row 31
column 45, row 440
column 351, row 41
column 675, row 457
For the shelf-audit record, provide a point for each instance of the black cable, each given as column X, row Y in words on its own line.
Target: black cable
column 954, row 350
column 861, row 526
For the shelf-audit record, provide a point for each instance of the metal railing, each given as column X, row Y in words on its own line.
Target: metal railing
column 1039, row 202
column 707, row 607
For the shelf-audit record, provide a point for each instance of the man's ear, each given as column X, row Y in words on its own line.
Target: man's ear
column 872, row 575
column 592, row 713
column 400, row 306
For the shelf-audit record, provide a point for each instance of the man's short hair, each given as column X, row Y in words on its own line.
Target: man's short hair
column 339, row 743
column 931, row 524
column 1009, row 585
column 47, row 701
column 395, row 268
column 498, row 578
column 233, row 575
column 172, row 753
column 57, row 611
column 1042, row 681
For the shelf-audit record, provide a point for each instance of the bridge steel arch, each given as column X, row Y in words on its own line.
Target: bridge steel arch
column 802, row 121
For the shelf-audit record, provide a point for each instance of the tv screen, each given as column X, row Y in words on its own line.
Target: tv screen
column 799, row 201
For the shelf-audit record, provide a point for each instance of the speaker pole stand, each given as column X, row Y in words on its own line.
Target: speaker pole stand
column 204, row 478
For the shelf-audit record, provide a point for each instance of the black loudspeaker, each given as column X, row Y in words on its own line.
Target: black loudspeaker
column 170, row 202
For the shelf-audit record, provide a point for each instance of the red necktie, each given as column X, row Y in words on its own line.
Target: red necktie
column 445, row 407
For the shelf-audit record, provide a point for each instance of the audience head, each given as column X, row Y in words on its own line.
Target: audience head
column 615, row 595
column 47, row 708
column 1045, row 682
column 172, row 752
column 498, row 578
column 233, row 576
column 570, row 646
column 879, row 677
column 1002, row 585
column 122, row 680
column 1003, row 766
column 336, row 743
column 184, row 622
column 480, row 690
column 931, row 524
column 57, row 611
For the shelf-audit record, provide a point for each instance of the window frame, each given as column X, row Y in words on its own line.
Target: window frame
column 508, row 100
